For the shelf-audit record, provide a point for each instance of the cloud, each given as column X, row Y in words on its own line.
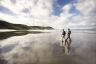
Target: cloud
column 87, row 17
column 26, row 10
column 40, row 12
column 87, row 7
column 13, row 1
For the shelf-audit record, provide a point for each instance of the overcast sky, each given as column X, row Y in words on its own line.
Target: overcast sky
column 55, row 13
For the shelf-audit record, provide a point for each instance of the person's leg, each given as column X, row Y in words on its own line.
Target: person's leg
column 66, row 40
column 70, row 40
column 62, row 40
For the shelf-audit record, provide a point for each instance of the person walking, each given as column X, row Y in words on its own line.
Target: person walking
column 69, row 33
column 63, row 36
column 68, row 41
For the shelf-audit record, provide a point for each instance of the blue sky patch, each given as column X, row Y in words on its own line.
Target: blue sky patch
column 6, row 10
column 60, row 3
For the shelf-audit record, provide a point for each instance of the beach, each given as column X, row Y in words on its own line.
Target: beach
column 45, row 48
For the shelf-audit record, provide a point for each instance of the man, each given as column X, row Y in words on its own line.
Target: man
column 63, row 36
column 68, row 41
column 69, row 33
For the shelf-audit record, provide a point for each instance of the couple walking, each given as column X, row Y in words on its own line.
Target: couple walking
column 66, row 40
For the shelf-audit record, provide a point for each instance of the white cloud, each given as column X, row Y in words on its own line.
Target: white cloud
column 86, row 6
column 62, row 20
column 86, row 18
column 39, row 12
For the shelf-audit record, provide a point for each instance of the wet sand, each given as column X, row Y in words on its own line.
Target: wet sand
column 45, row 48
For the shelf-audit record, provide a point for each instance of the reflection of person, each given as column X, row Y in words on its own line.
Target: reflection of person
column 0, row 53
column 68, row 41
column 63, row 35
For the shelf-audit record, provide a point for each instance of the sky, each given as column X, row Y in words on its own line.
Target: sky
column 55, row 13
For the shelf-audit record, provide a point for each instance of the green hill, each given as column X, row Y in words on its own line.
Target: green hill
column 7, row 25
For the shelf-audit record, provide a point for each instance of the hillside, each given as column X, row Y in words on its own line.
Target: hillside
column 6, row 25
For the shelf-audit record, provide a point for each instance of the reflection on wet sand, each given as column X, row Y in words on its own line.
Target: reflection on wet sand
column 66, row 46
column 4, row 35
column 2, row 60
column 45, row 48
